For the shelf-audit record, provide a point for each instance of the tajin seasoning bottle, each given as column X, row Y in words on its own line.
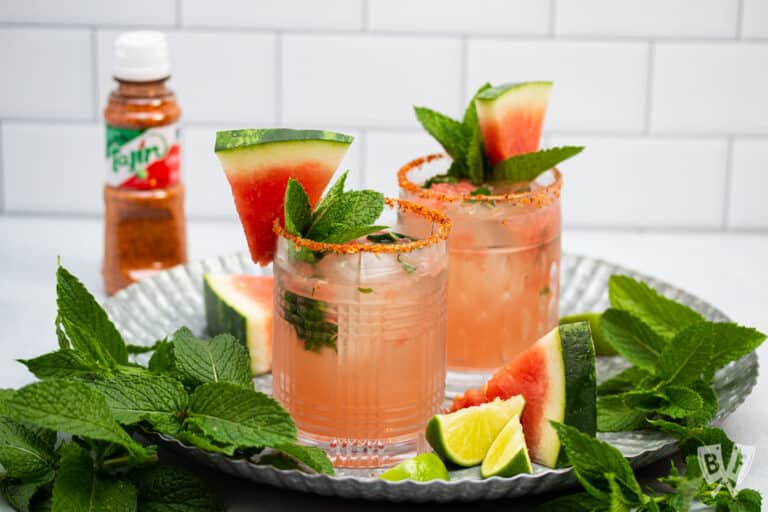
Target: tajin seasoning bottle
column 144, row 221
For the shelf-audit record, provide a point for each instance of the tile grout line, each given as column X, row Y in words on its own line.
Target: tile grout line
column 215, row 29
column 95, row 73
column 364, row 9
column 649, row 75
column 278, row 78
column 177, row 13
column 3, row 185
column 552, row 17
column 739, row 19
column 727, row 184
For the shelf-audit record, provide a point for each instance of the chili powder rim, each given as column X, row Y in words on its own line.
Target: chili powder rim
column 442, row 221
column 541, row 197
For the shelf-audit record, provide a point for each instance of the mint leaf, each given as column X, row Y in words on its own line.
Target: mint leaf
column 238, row 416
column 688, row 355
column 623, row 381
column 645, row 400
column 163, row 360
column 475, row 157
column 85, row 324
column 683, row 402
column 63, row 364
column 441, row 178
column 665, row 316
column 78, row 487
column 20, row 494
column 71, row 407
column 142, row 349
column 23, row 453
column 747, row 500
column 171, row 489
column 613, row 415
column 351, row 210
column 731, row 342
column 330, row 198
column 470, row 119
column 5, row 394
column 192, row 435
column 156, row 399
column 708, row 410
column 298, row 212
column 592, row 459
column 632, row 338
column 528, row 166
column 220, row 359
column 345, row 235
column 307, row 316
column 311, row 456
column 448, row 132
column 691, row 438
column 617, row 500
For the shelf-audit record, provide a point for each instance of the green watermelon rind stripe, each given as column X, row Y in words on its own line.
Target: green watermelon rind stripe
column 495, row 93
column 220, row 316
column 235, row 140
column 580, row 380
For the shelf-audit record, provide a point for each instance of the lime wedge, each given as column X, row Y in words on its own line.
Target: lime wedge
column 463, row 437
column 421, row 468
column 508, row 455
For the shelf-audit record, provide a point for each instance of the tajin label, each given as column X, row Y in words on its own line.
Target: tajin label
column 143, row 159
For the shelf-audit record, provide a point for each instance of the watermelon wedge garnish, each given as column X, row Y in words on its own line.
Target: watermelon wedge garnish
column 556, row 376
column 511, row 117
column 258, row 164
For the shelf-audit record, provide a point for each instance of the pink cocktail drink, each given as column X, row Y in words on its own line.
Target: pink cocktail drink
column 504, row 254
column 359, row 338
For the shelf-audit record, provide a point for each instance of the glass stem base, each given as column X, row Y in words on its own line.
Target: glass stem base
column 371, row 453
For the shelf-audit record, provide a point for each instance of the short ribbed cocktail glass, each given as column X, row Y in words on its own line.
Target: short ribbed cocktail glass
column 504, row 253
column 359, row 337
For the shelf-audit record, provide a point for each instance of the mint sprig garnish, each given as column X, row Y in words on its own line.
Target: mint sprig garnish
column 199, row 391
column 340, row 216
column 463, row 142
column 528, row 166
column 610, row 484
column 674, row 352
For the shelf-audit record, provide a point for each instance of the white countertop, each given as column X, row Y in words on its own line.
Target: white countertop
column 728, row 270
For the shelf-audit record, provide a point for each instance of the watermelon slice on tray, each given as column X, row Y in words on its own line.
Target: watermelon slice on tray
column 556, row 376
column 511, row 117
column 258, row 164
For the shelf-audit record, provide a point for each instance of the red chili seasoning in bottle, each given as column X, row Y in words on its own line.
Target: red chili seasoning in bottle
column 144, row 223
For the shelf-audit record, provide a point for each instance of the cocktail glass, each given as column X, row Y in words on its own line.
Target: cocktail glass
column 504, row 254
column 359, row 337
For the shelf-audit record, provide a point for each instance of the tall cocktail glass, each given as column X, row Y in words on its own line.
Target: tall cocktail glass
column 359, row 336
column 504, row 253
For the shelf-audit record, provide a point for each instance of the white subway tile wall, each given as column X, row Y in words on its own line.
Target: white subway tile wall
column 670, row 96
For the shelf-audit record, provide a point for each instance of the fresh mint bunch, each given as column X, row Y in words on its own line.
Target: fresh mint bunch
column 610, row 484
column 674, row 352
column 199, row 391
column 463, row 141
column 340, row 216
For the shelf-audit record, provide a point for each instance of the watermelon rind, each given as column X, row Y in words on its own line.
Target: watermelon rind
column 494, row 93
column 580, row 379
column 602, row 346
column 229, row 310
column 233, row 140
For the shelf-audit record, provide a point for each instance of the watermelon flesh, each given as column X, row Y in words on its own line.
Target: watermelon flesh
column 258, row 164
column 511, row 117
column 556, row 376
column 242, row 305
